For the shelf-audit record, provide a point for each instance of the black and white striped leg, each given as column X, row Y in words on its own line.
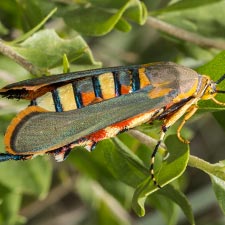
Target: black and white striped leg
column 152, row 172
column 62, row 153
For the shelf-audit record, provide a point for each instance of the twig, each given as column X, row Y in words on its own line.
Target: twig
column 212, row 169
column 8, row 51
column 54, row 196
column 147, row 140
column 185, row 35
column 70, row 217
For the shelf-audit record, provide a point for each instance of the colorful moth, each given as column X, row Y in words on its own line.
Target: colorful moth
column 82, row 108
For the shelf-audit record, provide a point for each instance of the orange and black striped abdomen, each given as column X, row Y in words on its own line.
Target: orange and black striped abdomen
column 93, row 89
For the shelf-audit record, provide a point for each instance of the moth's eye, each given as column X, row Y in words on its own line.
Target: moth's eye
column 209, row 91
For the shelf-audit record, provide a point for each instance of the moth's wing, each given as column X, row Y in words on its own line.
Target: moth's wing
column 34, row 130
column 28, row 89
column 157, row 73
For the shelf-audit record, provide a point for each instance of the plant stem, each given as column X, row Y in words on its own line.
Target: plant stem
column 56, row 194
column 211, row 169
column 217, row 170
column 147, row 140
column 8, row 51
column 185, row 35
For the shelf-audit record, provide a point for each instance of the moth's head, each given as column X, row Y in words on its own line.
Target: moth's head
column 212, row 90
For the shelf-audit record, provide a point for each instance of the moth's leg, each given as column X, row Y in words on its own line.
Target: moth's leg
column 33, row 102
column 62, row 153
column 187, row 116
column 7, row 157
column 189, row 107
column 152, row 172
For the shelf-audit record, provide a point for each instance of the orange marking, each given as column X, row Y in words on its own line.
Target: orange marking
column 125, row 89
column 162, row 84
column 123, row 124
column 159, row 92
column 96, row 100
column 114, row 129
column 109, row 131
column 144, row 81
column 87, row 97
column 169, row 105
column 14, row 124
column 97, row 136
column 191, row 91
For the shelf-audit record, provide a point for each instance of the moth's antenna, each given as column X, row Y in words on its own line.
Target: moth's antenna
column 221, row 79
column 220, row 91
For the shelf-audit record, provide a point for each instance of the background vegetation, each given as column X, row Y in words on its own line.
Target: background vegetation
column 111, row 184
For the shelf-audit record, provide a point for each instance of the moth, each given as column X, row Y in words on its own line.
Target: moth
column 83, row 108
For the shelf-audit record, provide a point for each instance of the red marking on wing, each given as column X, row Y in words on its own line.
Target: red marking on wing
column 97, row 136
column 125, row 89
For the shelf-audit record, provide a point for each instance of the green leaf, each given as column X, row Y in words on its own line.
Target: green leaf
column 90, row 163
column 167, row 207
column 35, row 29
column 123, row 25
column 30, row 177
column 3, row 29
column 217, row 175
column 196, row 15
column 99, row 19
column 124, row 164
column 53, row 47
column 186, row 4
column 137, row 13
column 219, row 189
column 94, row 165
column 171, row 169
column 215, row 69
column 9, row 10
column 106, row 206
column 108, row 157
column 9, row 208
column 219, row 116
column 32, row 12
column 180, row 199
column 112, row 4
